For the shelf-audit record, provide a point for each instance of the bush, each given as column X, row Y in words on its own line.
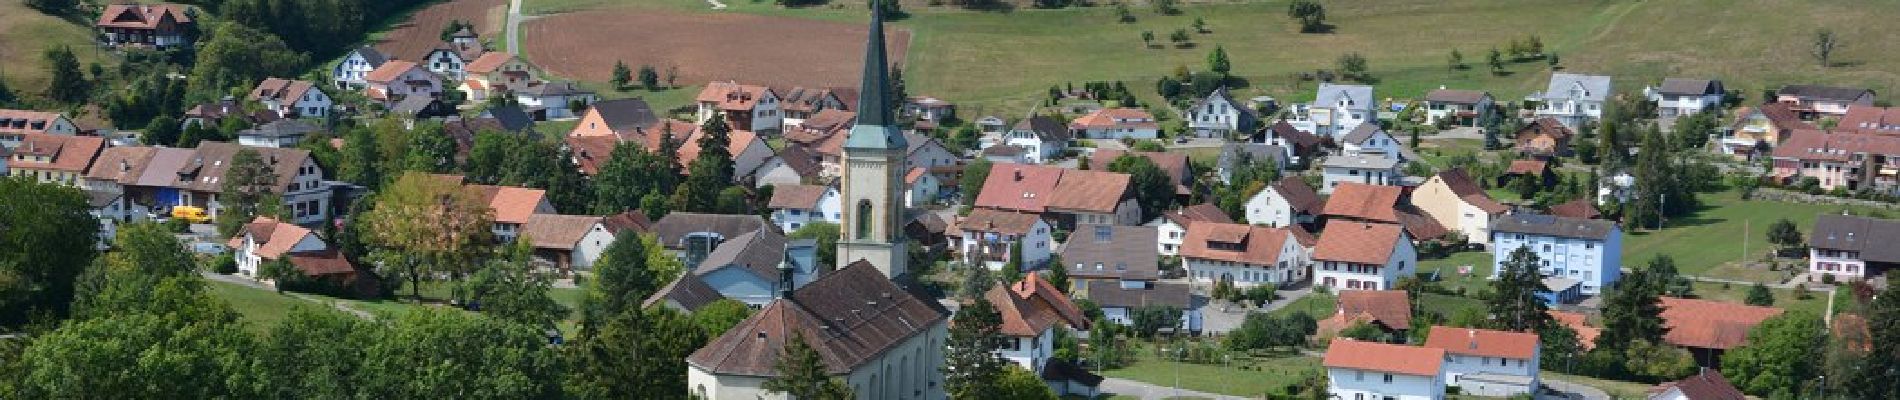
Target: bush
column 1827, row 278
column 176, row 225
column 225, row 265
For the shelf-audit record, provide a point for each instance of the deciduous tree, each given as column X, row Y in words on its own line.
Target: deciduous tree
column 47, row 238
column 1514, row 302
column 424, row 226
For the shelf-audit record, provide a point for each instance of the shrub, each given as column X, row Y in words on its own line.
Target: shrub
column 1827, row 278
column 225, row 265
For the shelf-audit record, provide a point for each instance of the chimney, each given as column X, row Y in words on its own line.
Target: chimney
column 785, row 274
column 1019, row 175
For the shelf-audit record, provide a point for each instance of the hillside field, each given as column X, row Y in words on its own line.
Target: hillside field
column 25, row 33
column 1004, row 61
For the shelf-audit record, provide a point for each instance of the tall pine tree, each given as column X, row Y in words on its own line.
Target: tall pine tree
column 1632, row 311
column 803, row 375
column 971, row 367
column 710, row 173
column 1514, row 302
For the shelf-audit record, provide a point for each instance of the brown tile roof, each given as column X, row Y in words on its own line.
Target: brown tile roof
column 1381, row 357
column 1527, row 167
column 511, row 204
column 121, row 164
column 488, row 62
column 1112, row 252
column 801, row 160
column 1257, row 245
column 1357, row 242
column 1815, row 145
column 321, row 263
column 732, row 96
column 1868, row 119
column 1298, row 194
column 1111, row 294
column 591, row 152
column 631, row 220
column 1421, row 226
column 74, row 154
column 1545, row 126
column 673, row 228
column 1579, row 209
column 1204, row 212
column 1456, row 96
column 1364, row 202
column 1711, row 324
column 1019, row 187
column 1705, row 385
column 1818, row 92
column 1031, row 305
column 273, row 238
column 1175, row 164
column 1295, row 136
column 1483, row 342
column 279, row 89
column 1469, row 191
column 141, row 16
column 822, row 124
column 737, row 142
column 1577, row 322
column 26, row 121
column 1089, row 191
column 1305, row 237
column 803, row 197
column 560, row 232
column 1387, row 307
column 850, row 317
column 1114, row 118
column 687, row 292
column 1779, row 115
column 389, row 71
column 998, row 221
column 213, row 160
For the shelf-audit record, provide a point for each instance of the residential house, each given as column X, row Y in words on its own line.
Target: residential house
column 930, row 109
column 1172, row 227
column 1116, row 123
column 692, row 236
column 1370, row 140
column 1174, row 164
column 14, row 123
column 1544, row 138
column 794, row 206
column 1238, row 156
column 752, row 267
column 1388, row 310
column 1005, row 154
column 923, row 151
column 1458, row 106
column 1285, row 203
column 626, row 119
column 1758, row 129
column 497, row 73
column 823, row 135
column 1042, row 138
column 1301, row 146
column 1361, row 169
column 145, row 25
column 1579, row 208
column 450, row 59
column 1381, row 204
column 513, row 206
column 1369, row 370
column 291, row 98
column 550, row 100
column 109, row 207
column 1032, row 312
column 396, row 80
column 1679, row 97
column 745, row 107
column 1361, row 255
column 881, row 340
column 1852, row 248
column 687, row 293
column 1574, row 99
column 989, row 235
column 1708, row 384
column 1538, row 171
column 1869, row 119
column 1586, row 251
column 568, row 242
column 1110, row 253
column 348, row 74
column 1067, row 197
column 921, row 187
column 1242, row 255
column 1846, row 160
column 1455, row 201
column 798, row 103
column 1579, row 323
column 1119, row 300
column 991, row 125
column 1336, row 110
column 1618, row 187
column 1486, row 362
column 1219, row 116
column 267, row 240
column 214, row 114
column 50, row 158
column 1814, row 101
column 283, row 133
column 1708, row 328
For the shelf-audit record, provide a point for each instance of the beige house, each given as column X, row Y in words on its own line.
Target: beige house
column 1456, row 202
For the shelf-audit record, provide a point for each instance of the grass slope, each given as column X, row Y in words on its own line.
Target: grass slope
column 1714, row 235
column 25, row 33
column 1271, row 375
column 262, row 309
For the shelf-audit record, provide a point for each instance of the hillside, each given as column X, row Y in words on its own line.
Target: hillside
column 25, row 33
column 1009, row 59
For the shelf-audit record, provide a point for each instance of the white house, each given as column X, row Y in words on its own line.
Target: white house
column 290, row 97
column 1243, row 255
column 1041, row 138
column 1219, row 116
column 1367, row 371
column 1361, row 255
column 283, row 133
column 926, row 108
column 745, row 107
column 1371, row 140
column 15, row 123
column 1171, row 229
column 554, row 100
column 1366, row 169
column 922, row 188
column 923, row 151
column 1116, row 123
column 1486, row 362
column 1032, row 311
column 108, row 206
column 1573, row 99
column 989, row 234
column 1589, row 251
column 1705, row 385
column 348, row 74
column 1285, row 203
column 1460, row 107
column 794, row 206
column 1852, row 248
column 569, row 242
column 1118, row 300
column 265, row 239
column 1337, row 109
column 451, row 59
column 397, row 80
column 1678, row 97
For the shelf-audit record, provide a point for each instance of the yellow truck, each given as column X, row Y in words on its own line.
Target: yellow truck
column 190, row 214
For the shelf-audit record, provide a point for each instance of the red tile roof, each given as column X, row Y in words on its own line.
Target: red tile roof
column 1175, row 164
column 1711, row 324
column 488, row 62
column 1116, row 118
column 1258, row 245
column 1815, row 145
column 1577, row 322
column 803, row 197
column 273, row 238
column 1358, row 242
column 1032, row 305
column 998, row 221
column 1868, row 119
column 1364, row 202
column 1391, row 308
column 389, row 71
column 1381, row 357
column 1089, row 191
column 27, row 121
column 732, row 96
column 321, row 263
column 1483, row 342
column 1579, row 208
column 140, row 16
column 73, row 154
column 1019, row 187
column 1527, row 167
column 511, row 204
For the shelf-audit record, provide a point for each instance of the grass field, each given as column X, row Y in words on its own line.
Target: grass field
column 25, row 33
column 1715, row 234
column 1007, row 60
column 260, row 308
column 1784, row 298
column 1317, row 305
column 1447, row 269
column 1269, row 375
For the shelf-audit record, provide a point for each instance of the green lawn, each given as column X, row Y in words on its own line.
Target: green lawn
column 1709, row 237
column 1319, row 306
column 1450, row 279
column 1270, row 375
column 1784, row 298
column 261, row 308
column 1448, row 305
column 25, row 33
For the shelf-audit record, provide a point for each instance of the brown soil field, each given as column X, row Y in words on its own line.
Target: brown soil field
column 412, row 39
column 705, row 47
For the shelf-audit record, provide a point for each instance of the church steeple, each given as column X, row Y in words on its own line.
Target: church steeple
column 876, row 128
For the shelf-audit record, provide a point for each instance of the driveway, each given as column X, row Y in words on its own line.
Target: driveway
column 1219, row 317
column 1572, row 391
column 1145, row 391
column 514, row 26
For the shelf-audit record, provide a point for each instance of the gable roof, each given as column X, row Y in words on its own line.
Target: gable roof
column 1118, row 118
column 631, row 220
column 1297, row 194
column 280, row 89
column 998, row 221
column 1392, row 308
column 1122, row 252
column 803, row 197
column 273, row 238
column 390, row 71
column 1586, row 334
column 1469, row 191
column 1870, row 119
column 1019, row 187
column 1361, row 133
column 121, row 164
column 1707, row 384
column 1689, row 87
column 687, row 292
column 1362, row 201
column 1047, row 128
column 1222, row 94
column 1871, row 237
column 1361, row 161
column 1294, row 136
column 759, row 252
column 849, row 317
column 1358, row 242
column 562, row 232
column 1781, row 115
column 371, row 56
column 1031, row 305
column 1204, row 212
column 488, row 62
column 141, row 16
column 207, row 165
column 1595, row 87
column 1107, row 293
column 1579, row 209
column 1456, row 96
column 1711, row 324
column 1555, row 226
column 511, row 204
column 1381, row 357
column 74, row 154
column 1329, row 94
column 1089, row 191
column 732, row 96
column 1483, row 342
column 625, row 114
column 673, row 227
column 1816, row 145
column 1819, row 92
column 28, row 121
column 1527, row 167
column 1175, row 164
column 1256, row 245
column 1419, row 225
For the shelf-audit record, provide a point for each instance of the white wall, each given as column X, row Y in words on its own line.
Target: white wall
column 1030, row 352
column 828, row 210
column 1335, row 175
column 1269, row 208
column 1120, row 133
column 1168, row 236
column 1402, row 262
column 1353, row 384
column 590, row 247
column 1597, row 263
column 1458, row 365
column 1037, row 245
column 1843, row 265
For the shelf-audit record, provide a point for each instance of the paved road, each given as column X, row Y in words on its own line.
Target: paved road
column 514, row 26
column 1147, row 391
column 1576, row 391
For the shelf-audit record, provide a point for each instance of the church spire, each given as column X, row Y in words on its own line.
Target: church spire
column 876, row 128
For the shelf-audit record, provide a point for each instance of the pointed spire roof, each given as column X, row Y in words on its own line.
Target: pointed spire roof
column 876, row 128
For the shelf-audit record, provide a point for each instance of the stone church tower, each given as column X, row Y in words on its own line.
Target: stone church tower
column 873, row 171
